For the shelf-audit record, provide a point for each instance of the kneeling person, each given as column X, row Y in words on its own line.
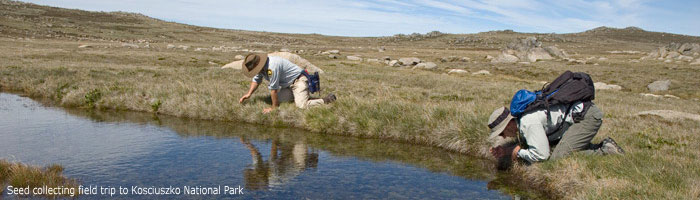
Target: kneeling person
column 537, row 132
column 286, row 81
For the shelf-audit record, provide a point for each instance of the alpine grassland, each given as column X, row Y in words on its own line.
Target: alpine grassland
column 124, row 61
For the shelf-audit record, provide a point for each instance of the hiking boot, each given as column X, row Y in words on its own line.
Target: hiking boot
column 609, row 146
column 329, row 99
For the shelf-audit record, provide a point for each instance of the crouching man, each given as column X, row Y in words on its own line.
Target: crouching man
column 287, row 82
column 536, row 133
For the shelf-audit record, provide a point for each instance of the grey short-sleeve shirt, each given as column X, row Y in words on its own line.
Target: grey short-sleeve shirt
column 279, row 71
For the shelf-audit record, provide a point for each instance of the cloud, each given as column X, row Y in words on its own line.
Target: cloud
column 388, row 17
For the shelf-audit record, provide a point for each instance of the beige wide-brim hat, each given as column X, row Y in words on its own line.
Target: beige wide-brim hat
column 498, row 121
column 252, row 64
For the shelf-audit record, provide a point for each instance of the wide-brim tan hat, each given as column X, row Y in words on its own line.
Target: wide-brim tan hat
column 498, row 121
column 252, row 64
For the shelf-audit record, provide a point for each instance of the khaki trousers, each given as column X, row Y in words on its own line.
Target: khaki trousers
column 299, row 93
column 579, row 135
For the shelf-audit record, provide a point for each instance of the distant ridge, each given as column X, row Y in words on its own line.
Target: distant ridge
column 21, row 19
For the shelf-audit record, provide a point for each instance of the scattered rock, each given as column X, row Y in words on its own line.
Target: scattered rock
column 529, row 49
column 333, row 56
column 334, row 51
column 457, row 71
column 505, row 58
column 575, row 61
column 671, row 96
column 394, row 63
column 183, row 47
column 239, row 57
column 658, row 86
column 133, row 46
column 285, row 50
column 537, row 54
column 671, row 114
column 556, row 52
column 672, row 55
column 465, row 59
column 170, row 46
column 426, row 65
column 667, row 61
column 212, row 63
column 602, row 59
column 605, row 86
column 381, row 49
column 674, row 50
column 85, row 46
column 482, row 72
column 488, row 57
column 685, row 58
column 353, row 58
column 634, row 61
column 386, row 58
column 650, row 95
column 200, row 49
column 233, row 65
column 524, row 63
column 409, row 61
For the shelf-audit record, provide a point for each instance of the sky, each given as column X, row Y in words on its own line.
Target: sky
column 389, row 17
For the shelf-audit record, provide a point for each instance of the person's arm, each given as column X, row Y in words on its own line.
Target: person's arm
column 253, row 86
column 275, row 102
column 538, row 144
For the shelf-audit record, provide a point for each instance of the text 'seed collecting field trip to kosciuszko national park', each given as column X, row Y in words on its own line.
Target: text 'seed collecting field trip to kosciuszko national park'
column 345, row 99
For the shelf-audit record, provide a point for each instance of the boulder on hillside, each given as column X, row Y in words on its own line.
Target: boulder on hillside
column 684, row 58
column 457, row 71
column 659, row 86
column 409, row 61
column 239, row 57
column 482, row 72
column 528, row 50
column 393, row 63
column 425, row 65
column 604, row 86
column 674, row 50
column 556, row 52
column 234, row 65
column 505, row 58
column 536, row 54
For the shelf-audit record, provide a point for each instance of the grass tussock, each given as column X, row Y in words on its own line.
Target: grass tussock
column 21, row 175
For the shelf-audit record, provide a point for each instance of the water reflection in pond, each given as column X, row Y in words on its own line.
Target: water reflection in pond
column 110, row 148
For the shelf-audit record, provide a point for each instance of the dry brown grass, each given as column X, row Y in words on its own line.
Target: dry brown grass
column 21, row 175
